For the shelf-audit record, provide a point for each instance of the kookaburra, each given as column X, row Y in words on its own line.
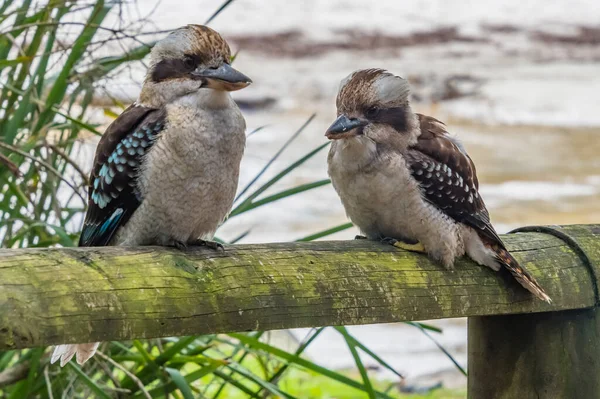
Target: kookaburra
column 404, row 179
column 166, row 170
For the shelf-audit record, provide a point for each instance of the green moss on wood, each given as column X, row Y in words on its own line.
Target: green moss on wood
column 50, row 296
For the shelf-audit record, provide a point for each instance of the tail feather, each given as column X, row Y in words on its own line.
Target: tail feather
column 519, row 273
column 82, row 353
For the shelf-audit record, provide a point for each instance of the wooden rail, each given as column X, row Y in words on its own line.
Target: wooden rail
column 52, row 296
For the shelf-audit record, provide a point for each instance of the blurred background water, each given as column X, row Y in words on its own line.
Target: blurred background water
column 517, row 81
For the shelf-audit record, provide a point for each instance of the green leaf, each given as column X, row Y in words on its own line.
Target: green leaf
column 284, row 194
column 253, row 343
column 357, row 343
column 6, row 359
column 227, row 378
column 181, row 383
column 350, row 342
column 99, row 12
column 425, row 326
column 441, row 347
column 189, row 378
column 99, row 392
column 238, row 348
column 241, row 208
column 275, row 377
column 219, row 10
column 15, row 61
column 258, row 381
column 147, row 372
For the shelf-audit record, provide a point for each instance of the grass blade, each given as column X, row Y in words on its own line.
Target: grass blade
column 258, row 381
column 99, row 392
column 227, row 378
column 359, row 364
column 240, row 208
column 181, row 383
column 61, row 83
column 238, row 348
column 327, row 232
column 214, row 15
column 281, row 195
column 273, row 159
column 299, row 351
column 13, row 62
column 147, row 371
column 428, row 327
column 189, row 378
column 253, row 343
column 240, row 237
column 347, row 336
column 452, row 359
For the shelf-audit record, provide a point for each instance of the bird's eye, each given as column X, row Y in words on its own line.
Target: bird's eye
column 371, row 112
column 190, row 62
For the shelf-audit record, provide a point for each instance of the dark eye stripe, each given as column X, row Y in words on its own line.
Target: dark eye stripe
column 395, row 117
column 169, row 69
column 174, row 68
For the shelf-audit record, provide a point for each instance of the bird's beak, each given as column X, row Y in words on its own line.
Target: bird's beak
column 345, row 127
column 223, row 78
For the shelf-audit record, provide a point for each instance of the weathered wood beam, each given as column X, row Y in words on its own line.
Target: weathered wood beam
column 51, row 296
column 546, row 355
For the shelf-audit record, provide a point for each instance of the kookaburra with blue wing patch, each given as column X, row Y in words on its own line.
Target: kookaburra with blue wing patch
column 403, row 179
column 166, row 170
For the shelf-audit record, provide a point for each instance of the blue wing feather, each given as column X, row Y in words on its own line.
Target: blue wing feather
column 113, row 195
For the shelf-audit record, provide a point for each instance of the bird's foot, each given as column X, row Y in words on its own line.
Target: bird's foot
column 180, row 245
column 408, row 245
column 208, row 244
column 359, row 237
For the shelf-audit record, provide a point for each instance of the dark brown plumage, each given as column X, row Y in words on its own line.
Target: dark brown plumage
column 448, row 180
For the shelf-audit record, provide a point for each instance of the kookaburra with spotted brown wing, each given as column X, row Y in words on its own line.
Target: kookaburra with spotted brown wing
column 166, row 170
column 405, row 180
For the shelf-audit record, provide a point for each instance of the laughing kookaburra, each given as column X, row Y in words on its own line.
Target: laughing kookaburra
column 166, row 170
column 404, row 180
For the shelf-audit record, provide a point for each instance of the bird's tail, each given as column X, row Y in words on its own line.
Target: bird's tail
column 519, row 273
column 82, row 352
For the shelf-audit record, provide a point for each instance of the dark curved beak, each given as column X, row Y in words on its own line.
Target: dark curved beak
column 224, row 77
column 342, row 125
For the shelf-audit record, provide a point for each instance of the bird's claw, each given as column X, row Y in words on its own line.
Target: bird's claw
column 414, row 246
column 180, row 245
column 359, row 237
column 214, row 245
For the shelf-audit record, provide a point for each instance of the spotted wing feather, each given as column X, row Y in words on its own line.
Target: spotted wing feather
column 448, row 178
column 113, row 193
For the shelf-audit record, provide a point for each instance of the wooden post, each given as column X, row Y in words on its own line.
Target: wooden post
column 541, row 356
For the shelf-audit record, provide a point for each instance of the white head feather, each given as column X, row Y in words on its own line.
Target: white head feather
column 391, row 88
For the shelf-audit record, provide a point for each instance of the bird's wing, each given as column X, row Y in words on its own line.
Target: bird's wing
column 448, row 180
column 113, row 195
column 447, row 177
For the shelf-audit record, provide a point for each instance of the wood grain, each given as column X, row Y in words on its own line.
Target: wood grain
column 52, row 296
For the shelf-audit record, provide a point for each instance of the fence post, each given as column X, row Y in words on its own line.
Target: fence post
column 552, row 355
